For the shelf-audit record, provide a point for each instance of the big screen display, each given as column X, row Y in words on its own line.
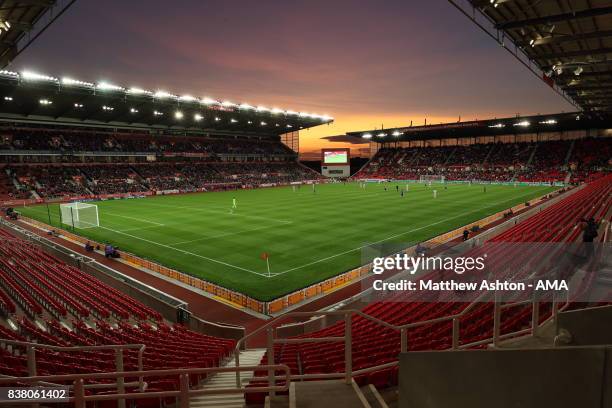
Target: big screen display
column 335, row 156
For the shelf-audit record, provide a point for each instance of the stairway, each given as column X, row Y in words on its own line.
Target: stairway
column 228, row 380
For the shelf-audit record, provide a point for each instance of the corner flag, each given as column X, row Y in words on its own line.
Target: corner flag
column 266, row 257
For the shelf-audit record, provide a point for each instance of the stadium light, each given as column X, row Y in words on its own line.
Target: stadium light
column 178, row 115
column 262, row 109
column 78, row 105
column 217, row 118
column 228, row 104
column 45, row 102
column 163, row 95
column 33, row 76
column 139, row 91
column 381, row 134
column 197, row 117
column 262, row 123
column 289, row 126
column 523, row 123
column 548, row 122
column 76, row 82
column 187, row 98
column 293, row 113
column 133, row 110
column 158, row 113
column 250, row 122
column 497, row 125
column 11, row 74
column 246, row 106
column 8, row 98
column 105, row 86
column 396, row 133
column 233, row 120
column 108, row 108
column 367, row 135
column 277, row 111
column 210, row 101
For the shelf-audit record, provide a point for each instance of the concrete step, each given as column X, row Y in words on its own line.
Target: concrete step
column 373, row 397
column 330, row 393
column 280, row 401
column 227, row 380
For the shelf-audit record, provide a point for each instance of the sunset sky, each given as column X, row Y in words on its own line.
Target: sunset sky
column 366, row 62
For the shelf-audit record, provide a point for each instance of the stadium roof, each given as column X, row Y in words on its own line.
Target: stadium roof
column 489, row 127
column 568, row 44
column 28, row 94
column 22, row 21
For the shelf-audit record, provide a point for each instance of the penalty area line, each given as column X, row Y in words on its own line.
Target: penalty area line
column 186, row 252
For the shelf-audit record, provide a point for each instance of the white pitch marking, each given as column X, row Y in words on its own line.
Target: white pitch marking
column 393, row 236
column 186, row 252
column 132, row 218
column 224, row 235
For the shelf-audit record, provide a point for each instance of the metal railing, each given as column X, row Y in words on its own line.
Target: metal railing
column 119, row 361
column 184, row 393
column 347, row 316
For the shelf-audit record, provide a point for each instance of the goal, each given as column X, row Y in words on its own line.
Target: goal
column 431, row 178
column 80, row 215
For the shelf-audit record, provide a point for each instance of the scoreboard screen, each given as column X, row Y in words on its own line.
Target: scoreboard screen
column 335, row 156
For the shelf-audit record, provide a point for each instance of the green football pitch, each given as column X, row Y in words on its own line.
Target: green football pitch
column 309, row 236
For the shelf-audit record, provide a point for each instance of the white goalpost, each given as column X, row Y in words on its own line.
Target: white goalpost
column 431, row 178
column 80, row 215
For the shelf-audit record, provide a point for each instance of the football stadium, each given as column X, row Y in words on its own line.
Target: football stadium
column 162, row 249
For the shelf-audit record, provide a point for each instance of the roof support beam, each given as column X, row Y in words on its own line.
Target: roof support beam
column 561, row 38
column 578, row 53
column 592, row 12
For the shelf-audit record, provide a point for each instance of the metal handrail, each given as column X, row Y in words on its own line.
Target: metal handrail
column 184, row 393
column 118, row 348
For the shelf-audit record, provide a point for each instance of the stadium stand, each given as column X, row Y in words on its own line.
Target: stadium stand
column 50, row 302
column 375, row 345
column 500, row 162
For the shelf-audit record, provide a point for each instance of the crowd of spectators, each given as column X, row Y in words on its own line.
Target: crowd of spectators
column 34, row 139
column 550, row 161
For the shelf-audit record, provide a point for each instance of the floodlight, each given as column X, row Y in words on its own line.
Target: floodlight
column 105, row 86
column 8, row 98
column 187, row 98
column 246, row 106
column 262, row 123
column 45, row 102
column 276, row 111
column 33, row 76
column 163, row 95
column 138, row 91
column 548, row 122
column 197, row 117
column 76, row 82
column 209, row 101
column 178, row 115
column 497, row 125
column 367, row 136
column 523, row 123
column 396, row 133
column 233, row 120
column 133, row 110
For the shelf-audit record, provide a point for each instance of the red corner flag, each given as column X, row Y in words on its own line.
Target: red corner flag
column 266, row 257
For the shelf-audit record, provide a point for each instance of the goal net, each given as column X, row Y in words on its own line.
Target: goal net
column 80, row 215
column 431, row 178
